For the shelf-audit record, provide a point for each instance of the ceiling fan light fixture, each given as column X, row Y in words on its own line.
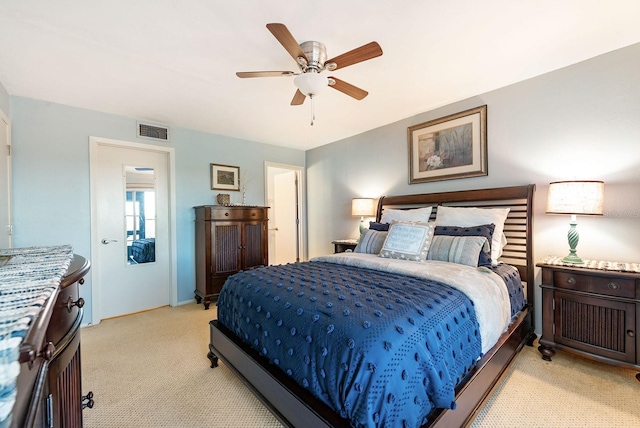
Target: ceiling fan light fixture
column 311, row 83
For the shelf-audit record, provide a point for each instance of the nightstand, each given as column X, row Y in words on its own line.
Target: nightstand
column 591, row 310
column 342, row 245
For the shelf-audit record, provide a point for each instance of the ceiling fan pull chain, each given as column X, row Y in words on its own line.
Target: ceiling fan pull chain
column 313, row 113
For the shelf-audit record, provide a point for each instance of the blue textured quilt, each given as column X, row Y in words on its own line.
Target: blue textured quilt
column 381, row 349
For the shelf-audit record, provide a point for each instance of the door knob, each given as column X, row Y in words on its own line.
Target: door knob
column 105, row 241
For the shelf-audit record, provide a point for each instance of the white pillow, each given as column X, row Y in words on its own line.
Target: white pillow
column 415, row 215
column 408, row 241
column 464, row 217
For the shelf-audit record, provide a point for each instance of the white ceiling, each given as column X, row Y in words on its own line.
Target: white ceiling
column 174, row 62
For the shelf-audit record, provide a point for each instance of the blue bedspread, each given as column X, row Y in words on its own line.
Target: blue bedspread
column 380, row 349
column 512, row 280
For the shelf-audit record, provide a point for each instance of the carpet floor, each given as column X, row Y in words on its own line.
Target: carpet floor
column 150, row 370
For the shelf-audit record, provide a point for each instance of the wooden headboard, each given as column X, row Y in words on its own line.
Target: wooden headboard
column 518, row 227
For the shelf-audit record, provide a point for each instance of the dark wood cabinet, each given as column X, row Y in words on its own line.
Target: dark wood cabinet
column 49, row 385
column 343, row 245
column 595, row 313
column 228, row 239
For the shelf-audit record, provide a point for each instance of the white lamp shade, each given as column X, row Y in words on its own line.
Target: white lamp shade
column 362, row 207
column 576, row 197
column 311, row 83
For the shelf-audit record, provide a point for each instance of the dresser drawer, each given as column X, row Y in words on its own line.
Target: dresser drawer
column 218, row 212
column 63, row 318
column 244, row 214
column 609, row 286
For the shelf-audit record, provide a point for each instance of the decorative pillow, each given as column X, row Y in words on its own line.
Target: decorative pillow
column 462, row 216
column 414, row 215
column 463, row 250
column 383, row 227
column 408, row 241
column 485, row 230
column 370, row 242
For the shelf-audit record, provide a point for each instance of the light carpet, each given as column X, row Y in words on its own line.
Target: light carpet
column 150, row 369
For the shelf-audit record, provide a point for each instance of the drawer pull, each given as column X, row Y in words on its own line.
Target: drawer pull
column 48, row 351
column 631, row 333
column 87, row 400
column 70, row 303
column 226, row 214
column 613, row 286
column 253, row 214
column 571, row 280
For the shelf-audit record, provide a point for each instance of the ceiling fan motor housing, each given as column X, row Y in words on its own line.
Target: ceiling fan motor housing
column 316, row 55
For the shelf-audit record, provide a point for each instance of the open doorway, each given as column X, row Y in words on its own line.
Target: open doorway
column 284, row 189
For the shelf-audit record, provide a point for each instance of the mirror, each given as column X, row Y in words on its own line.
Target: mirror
column 140, row 214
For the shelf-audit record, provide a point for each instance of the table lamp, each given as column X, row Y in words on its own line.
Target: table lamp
column 362, row 207
column 575, row 198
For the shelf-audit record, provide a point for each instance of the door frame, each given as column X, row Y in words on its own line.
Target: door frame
column 94, row 144
column 9, row 190
column 302, row 201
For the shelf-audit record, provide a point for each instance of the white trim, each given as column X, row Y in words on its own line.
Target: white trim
column 94, row 143
column 5, row 119
column 302, row 200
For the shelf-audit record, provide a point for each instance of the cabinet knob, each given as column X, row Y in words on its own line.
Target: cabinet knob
column 613, row 286
column 226, row 214
column 70, row 303
column 87, row 400
column 571, row 280
column 631, row 333
column 48, row 351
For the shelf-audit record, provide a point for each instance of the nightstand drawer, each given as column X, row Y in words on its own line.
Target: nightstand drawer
column 614, row 286
column 571, row 281
column 595, row 284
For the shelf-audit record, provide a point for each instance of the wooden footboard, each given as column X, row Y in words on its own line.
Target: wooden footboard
column 294, row 406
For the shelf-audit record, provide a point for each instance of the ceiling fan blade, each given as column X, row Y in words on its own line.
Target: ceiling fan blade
column 363, row 53
column 349, row 89
column 245, row 74
column 281, row 32
column 298, row 98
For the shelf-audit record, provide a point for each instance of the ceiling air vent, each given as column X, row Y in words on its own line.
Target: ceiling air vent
column 153, row 131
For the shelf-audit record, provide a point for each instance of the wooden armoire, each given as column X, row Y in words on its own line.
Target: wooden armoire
column 228, row 239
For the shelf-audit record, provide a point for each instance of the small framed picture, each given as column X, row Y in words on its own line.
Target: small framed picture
column 225, row 177
column 450, row 147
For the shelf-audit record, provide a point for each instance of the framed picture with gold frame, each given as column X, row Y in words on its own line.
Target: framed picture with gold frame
column 450, row 147
column 225, row 177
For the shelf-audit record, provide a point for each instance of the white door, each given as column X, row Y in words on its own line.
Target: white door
column 5, row 183
column 285, row 215
column 132, row 226
column 284, row 198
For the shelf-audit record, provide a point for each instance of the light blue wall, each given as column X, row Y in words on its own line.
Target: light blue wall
column 5, row 101
column 580, row 122
column 51, row 196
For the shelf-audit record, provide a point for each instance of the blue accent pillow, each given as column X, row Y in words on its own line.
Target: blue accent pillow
column 382, row 227
column 486, row 230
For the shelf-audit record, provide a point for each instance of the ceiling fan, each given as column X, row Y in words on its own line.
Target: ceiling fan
column 311, row 58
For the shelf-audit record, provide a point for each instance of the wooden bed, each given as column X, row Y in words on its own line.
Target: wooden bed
column 295, row 407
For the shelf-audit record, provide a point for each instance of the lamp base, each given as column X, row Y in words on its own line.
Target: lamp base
column 573, row 259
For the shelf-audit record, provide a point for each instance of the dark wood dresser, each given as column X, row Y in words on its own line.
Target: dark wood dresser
column 228, row 239
column 49, row 387
column 592, row 312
